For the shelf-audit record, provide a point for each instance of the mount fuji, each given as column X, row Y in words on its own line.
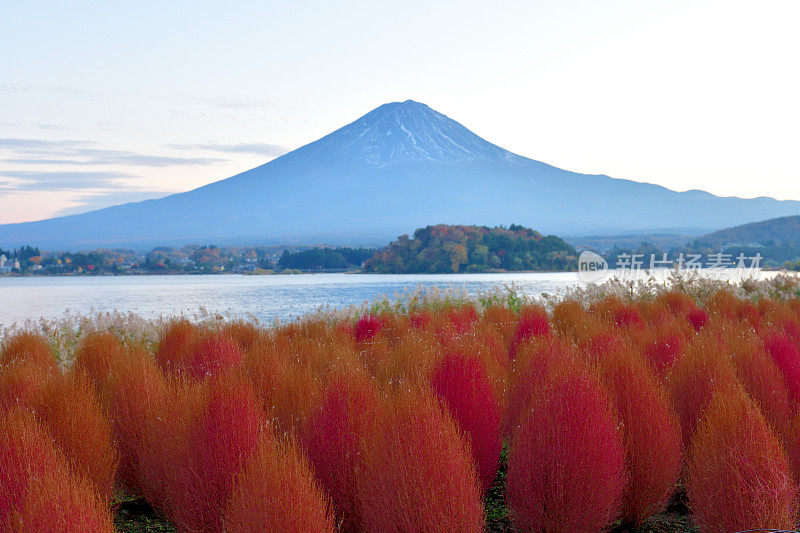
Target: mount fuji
column 399, row 167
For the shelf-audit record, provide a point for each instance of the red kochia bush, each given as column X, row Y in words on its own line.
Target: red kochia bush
column 245, row 333
column 535, row 364
column 418, row 473
column 662, row 344
column 462, row 385
column 566, row 468
column 333, row 441
column 38, row 492
column 533, row 322
column 67, row 406
column 25, row 450
column 68, row 505
column 749, row 314
column 739, row 478
column 225, row 435
column 366, row 328
column 597, row 348
column 212, row 353
column 628, row 316
column 462, row 318
column 791, row 440
column 276, row 491
column 420, row 319
column 697, row 318
column 787, row 358
column 165, row 465
column 652, row 435
column 662, row 353
column 619, row 313
column 791, row 328
column 677, row 302
column 760, row 377
column 501, row 318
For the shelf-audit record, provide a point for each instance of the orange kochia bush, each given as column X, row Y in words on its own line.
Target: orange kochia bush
column 418, row 473
column 739, row 477
column 27, row 347
column 38, row 489
column 695, row 378
column 652, row 434
column 276, row 491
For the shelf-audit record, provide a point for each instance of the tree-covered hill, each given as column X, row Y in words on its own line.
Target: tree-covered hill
column 773, row 232
column 325, row 258
column 776, row 241
column 456, row 248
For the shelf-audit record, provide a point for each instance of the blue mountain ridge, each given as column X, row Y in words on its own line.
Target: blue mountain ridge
column 399, row 167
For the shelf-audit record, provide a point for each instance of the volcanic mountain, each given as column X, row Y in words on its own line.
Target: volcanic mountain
column 397, row 168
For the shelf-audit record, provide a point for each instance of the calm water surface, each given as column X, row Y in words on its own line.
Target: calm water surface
column 266, row 297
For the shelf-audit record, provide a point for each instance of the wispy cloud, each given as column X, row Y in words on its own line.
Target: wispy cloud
column 86, row 153
column 90, row 202
column 40, row 144
column 121, row 159
column 30, row 180
column 241, row 148
column 73, row 168
column 152, row 160
column 86, row 190
column 33, row 161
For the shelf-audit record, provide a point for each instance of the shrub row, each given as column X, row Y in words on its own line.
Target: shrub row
column 396, row 421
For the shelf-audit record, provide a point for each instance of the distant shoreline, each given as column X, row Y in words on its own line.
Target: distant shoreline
column 275, row 273
column 28, row 275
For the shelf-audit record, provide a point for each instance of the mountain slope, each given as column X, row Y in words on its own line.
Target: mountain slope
column 776, row 231
column 399, row 167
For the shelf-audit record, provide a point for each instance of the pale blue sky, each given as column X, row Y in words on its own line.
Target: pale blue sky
column 105, row 102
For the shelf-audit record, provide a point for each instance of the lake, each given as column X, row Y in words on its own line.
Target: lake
column 268, row 298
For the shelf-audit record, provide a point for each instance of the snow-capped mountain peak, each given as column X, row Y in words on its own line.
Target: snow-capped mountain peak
column 405, row 131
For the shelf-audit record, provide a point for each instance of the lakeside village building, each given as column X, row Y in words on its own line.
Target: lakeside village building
column 6, row 266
